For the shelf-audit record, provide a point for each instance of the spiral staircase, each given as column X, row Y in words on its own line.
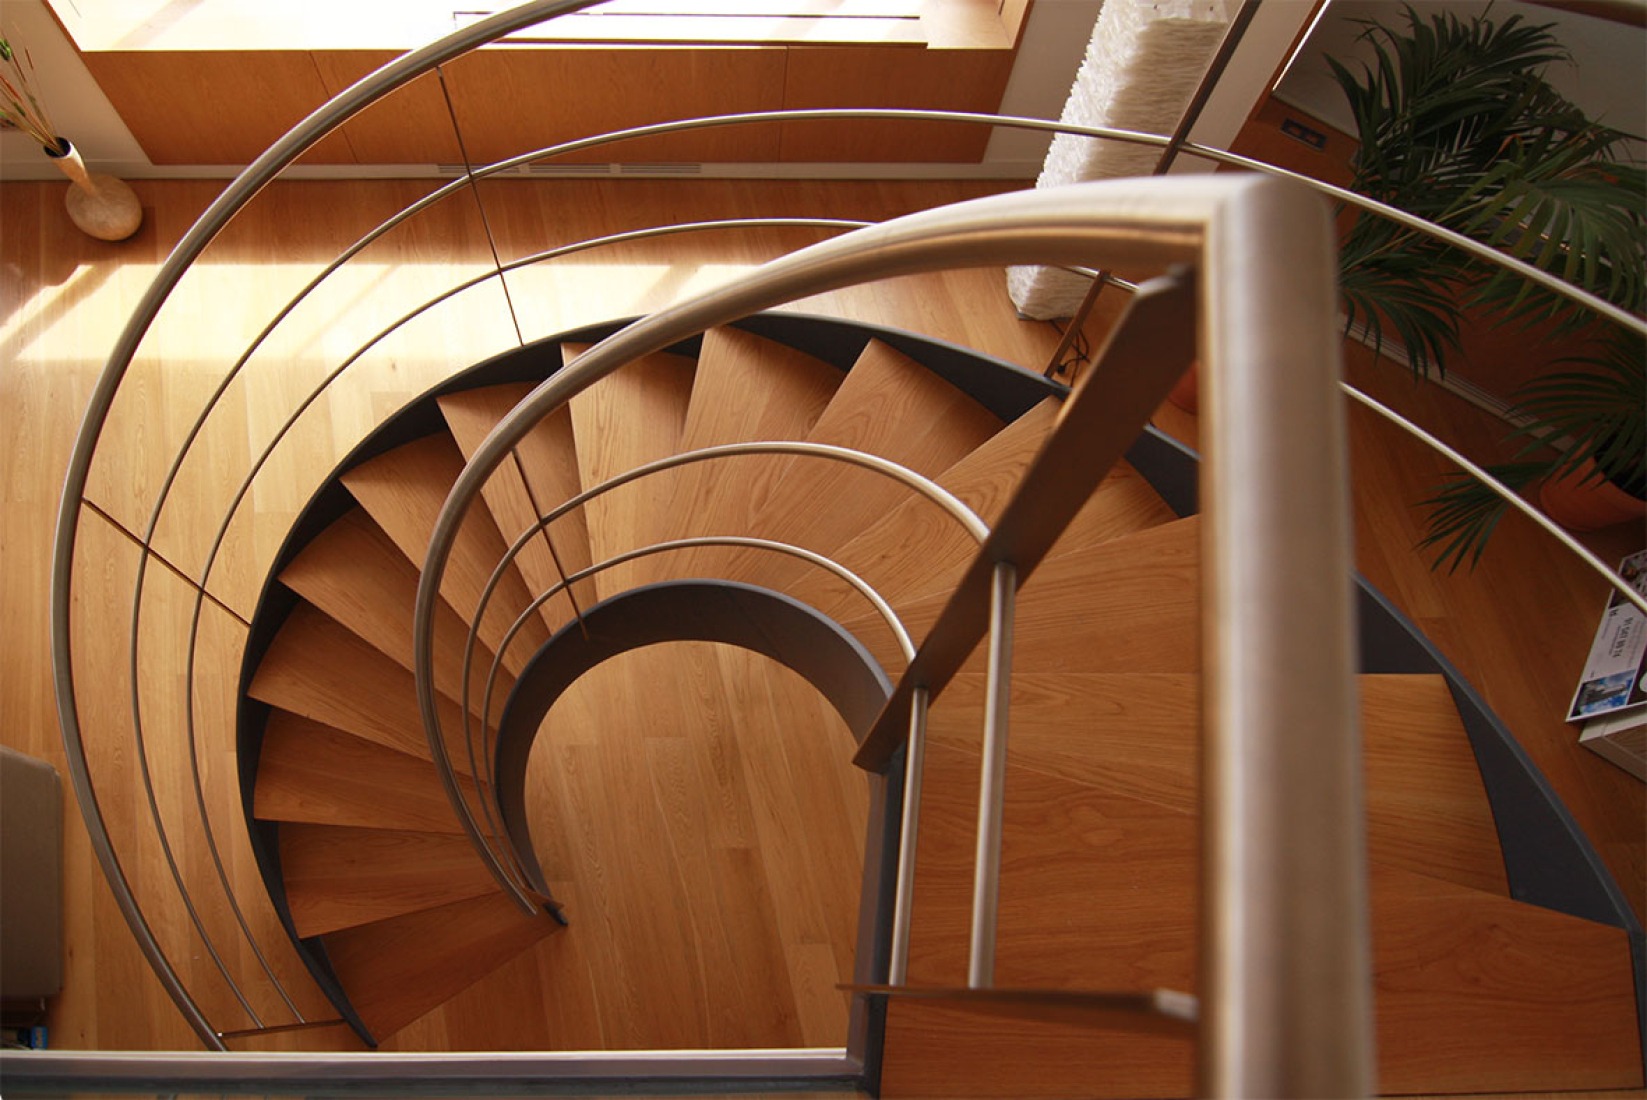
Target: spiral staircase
column 1098, row 886
column 844, row 501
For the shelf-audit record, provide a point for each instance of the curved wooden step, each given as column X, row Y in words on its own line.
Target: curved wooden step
column 628, row 418
column 403, row 491
column 339, row 877
column 542, row 471
column 398, row 969
column 917, row 554
column 320, row 669
column 1130, row 604
column 747, row 388
column 308, row 771
column 1137, row 735
column 356, row 574
column 888, row 405
column 1474, row 991
column 983, row 480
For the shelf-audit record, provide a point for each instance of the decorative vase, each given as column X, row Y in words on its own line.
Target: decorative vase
column 101, row 206
column 1583, row 501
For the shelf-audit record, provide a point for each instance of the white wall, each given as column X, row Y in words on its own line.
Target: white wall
column 1055, row 40
column 1608, row 78
column 77, row 106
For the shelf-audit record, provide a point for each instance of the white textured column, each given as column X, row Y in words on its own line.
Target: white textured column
column 1142, row 66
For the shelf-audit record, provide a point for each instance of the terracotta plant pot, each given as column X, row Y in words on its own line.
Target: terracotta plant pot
column 1581, row 501
column 99, row 205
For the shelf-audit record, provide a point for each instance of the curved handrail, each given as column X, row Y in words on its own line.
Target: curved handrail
column 1509, row 497
column 226, row 523
column 333, row 114
column 900, row 633
column 1267, row 541
column 912, row 479
column 210, row 223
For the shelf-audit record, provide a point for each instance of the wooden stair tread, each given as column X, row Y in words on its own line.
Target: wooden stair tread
column 1100, row 889
column 318, row 668
column 880, row 554
column 747, row 388
column 338, row 877
column 356, row 574
column 403, row 491
column 540, row 473
column 628, row 418
column 549, row 461
column 887, row 405
column 1123, row 504
column 312, row 772
column 1131, row 604
column 398, row 969
column 1137, row 735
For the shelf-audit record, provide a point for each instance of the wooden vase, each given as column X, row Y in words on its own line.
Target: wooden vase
column 99, row 205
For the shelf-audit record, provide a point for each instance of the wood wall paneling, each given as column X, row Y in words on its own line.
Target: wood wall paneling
column 226, row 107
column 511, row 100
column 957, row 80
column 222, row 107
column 412, row 126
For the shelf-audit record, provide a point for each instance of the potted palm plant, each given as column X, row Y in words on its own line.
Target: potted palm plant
column 1458, row 124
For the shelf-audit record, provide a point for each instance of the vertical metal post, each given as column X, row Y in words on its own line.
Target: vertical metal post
column 986, row 870
column 1286, row 977
column 914, row 761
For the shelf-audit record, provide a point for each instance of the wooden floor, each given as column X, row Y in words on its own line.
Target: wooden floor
column 1518, row 627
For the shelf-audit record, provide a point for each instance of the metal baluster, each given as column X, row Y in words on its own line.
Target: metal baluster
column 914, row 761
column 986, row 873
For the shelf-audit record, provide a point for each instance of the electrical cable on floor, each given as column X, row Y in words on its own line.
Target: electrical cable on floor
column 1068, row 369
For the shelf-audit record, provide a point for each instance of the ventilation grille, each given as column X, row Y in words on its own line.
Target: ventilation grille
column 584, row 171
column 675, row 169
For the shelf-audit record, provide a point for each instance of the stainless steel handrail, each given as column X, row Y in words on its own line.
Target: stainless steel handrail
column 1503, row 491
column 884, row 609
column 900, row 633
column 230, row 511
column 329, row 117
column 210, row 223
column 912, row 479
column 1287, row 971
